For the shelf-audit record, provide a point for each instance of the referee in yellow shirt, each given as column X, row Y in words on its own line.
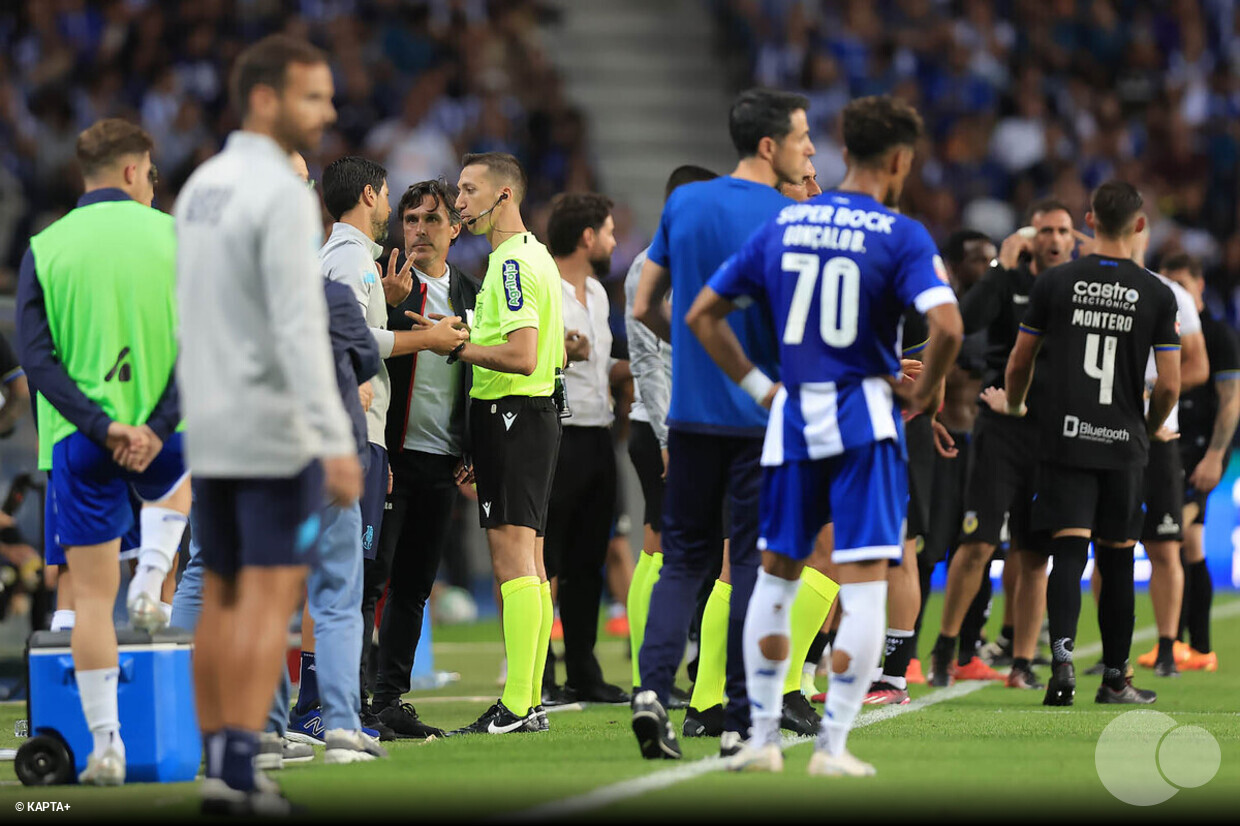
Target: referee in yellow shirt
column 516, row 346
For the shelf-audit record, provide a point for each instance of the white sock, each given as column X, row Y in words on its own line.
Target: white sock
column 162, row 529
column 97, row 688
column 769, row 615
column 146, row 580
column 63, row 619
column 166, row 607
column 861, row 637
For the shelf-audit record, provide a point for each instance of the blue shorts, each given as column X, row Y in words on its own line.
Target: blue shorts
column 259, row 522
column 54, row 552
column 864, row 491
column 374, row 495
column 91, row 493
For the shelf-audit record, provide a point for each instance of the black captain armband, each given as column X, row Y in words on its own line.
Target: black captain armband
column 11, row 536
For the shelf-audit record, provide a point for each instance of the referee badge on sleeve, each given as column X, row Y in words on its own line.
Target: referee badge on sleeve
column 970, row 522
column 512, row 284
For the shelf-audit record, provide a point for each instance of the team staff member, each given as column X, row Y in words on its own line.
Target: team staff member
column 1208, row 416
column 580, row 237
column 355, row 192
column 650, row 361
column 715, row 427
column 1004, row 450
column 1099, row 317
column 97, row 335
column 428, row 445
column 268, row 434
column 516, row 346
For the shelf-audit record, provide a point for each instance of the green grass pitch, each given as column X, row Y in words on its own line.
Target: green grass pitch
column 992, row 754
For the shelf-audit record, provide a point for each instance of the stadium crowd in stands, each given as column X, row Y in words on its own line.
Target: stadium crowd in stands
column 1024, row 98
column 418, row 84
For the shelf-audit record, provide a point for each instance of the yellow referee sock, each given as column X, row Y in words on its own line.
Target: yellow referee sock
column 809, row 612
column 544, row 640
column 713, row 649
column 645, row 575
column 522, row 624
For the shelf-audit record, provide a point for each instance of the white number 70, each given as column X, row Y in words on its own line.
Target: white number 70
column 841, row 296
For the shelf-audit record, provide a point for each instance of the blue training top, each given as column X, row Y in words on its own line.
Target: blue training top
column 703, row 223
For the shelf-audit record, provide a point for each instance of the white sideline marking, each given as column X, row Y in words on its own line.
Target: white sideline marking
column 627, row 789
column 634, row 787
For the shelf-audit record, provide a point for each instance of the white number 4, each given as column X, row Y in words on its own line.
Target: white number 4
column 1104, row 372
column 841, row 297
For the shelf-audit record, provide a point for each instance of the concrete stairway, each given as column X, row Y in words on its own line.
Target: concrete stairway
column 654, row 94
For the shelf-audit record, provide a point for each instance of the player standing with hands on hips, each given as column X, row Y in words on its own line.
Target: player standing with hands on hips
column 837, row 274
column 1102, row 315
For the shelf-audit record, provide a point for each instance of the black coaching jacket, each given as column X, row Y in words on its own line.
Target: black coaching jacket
column 402, row 370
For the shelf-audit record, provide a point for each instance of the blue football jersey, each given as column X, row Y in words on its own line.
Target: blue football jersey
column 837, row 274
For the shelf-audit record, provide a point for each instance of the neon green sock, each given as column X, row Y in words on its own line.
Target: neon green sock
column 544, row 639
column 522, row 624
column 645, row 575
column 713, row 649
column 809, row 612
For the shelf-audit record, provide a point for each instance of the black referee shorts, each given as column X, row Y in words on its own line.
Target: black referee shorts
column 647, row 459
column 919, row 437
column 515, row 443
column 1164, row 494
column 1003, row 463
column 1105, row 501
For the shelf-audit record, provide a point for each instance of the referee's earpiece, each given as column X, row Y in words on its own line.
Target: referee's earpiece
column 503, row 196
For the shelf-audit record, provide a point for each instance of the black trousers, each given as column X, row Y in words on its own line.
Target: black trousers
column 583, row 497
column 417, row 520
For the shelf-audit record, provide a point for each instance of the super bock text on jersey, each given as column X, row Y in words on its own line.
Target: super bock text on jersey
column 836, row 274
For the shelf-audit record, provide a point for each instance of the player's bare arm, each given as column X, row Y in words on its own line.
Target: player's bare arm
column 1166, row 388
column 1019, row 373
column 1206, row 476
column 946, row 336
column 650, row 305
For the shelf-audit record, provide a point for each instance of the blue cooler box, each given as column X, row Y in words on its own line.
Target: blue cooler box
column 159, row 721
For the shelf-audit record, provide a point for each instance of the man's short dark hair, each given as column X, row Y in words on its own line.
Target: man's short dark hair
column 1045, row 206
column 687, row 174
column 874, row 125
column 107, row 141
column 266, row 64
column 762, row 113
column 1181, row 261
column 344, row 181
column 502, row 165
column 572, row 214
column 953, row 250
column 439, row 191
column 1115, row 204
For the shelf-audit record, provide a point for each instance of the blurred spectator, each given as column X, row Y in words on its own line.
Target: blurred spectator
column 418, row 83
column 1029, row 98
